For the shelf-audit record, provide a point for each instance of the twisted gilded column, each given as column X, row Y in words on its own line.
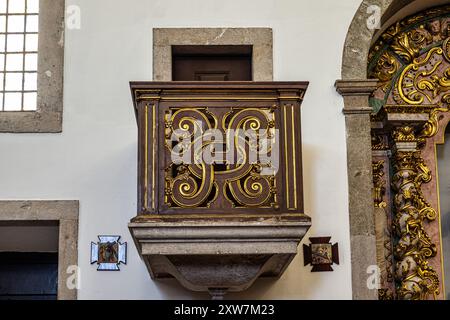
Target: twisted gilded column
column 413, row 246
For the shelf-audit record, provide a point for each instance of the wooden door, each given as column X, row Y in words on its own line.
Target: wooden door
column 212, row 63
column 28, row 276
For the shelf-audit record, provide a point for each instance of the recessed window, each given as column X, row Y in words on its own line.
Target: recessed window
column 19, row 27
column 212, row 62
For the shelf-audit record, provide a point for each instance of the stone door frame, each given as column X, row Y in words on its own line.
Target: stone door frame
column 65, row 213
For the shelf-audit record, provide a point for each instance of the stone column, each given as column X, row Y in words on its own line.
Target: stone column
column 357, row 112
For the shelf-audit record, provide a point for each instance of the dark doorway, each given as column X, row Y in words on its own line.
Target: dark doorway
column 212, row 63
column 28, row 276
column 29, row 260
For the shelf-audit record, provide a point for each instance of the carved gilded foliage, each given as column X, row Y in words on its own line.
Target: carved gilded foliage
column 416, row 279
column 237, row 181
column 411, row 60
column 413, row 247
column 379, row 142
column 379, row 183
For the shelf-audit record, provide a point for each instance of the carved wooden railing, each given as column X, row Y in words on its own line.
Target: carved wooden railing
column 212, row 153
column 218, row 189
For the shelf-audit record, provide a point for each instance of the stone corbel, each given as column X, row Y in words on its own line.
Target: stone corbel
column 356, row 94
column 217, row 256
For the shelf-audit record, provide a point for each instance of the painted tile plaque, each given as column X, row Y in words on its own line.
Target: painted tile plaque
column 108, row 253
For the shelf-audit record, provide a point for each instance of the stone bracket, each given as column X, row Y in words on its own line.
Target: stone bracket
column 218, row 255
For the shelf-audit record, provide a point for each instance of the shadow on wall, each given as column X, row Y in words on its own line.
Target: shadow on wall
column 310, row 154
column 171, row 289
column 296, row 279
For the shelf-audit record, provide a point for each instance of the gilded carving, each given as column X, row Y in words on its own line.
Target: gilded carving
column 431, row 128
column 404, row 134
column 386, row 68
column 415, row 278
column 412, row 62
column 379, row 184
column 231, row 174
column 389, row 254
column 426, row 80
column 405, row 47
column 379, row 142
column 385, row 294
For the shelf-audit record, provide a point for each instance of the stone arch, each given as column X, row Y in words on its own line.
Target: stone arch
column 359, row 38
column 356, row 89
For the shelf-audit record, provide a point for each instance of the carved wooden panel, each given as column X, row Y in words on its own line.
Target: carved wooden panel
column 219, row 149
column 223, row 183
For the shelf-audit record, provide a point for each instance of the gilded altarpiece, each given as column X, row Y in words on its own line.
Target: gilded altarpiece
column 411, row 60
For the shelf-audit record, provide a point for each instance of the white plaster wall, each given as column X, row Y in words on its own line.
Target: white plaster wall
column 29, row 238
column 94, row 159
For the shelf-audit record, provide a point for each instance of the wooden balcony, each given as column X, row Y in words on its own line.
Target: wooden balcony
column 220, row 192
